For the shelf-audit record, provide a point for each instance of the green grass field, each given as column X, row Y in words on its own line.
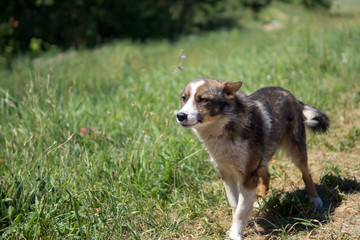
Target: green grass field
column 90, row 148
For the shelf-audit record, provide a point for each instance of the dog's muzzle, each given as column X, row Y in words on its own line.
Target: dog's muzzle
column 187, row 120
column 181, row 117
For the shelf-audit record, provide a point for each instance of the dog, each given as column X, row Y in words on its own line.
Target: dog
column 242, row 132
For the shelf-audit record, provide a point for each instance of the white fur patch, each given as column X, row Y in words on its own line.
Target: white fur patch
column 265, row 115
column 310, row 113
column 189, row 107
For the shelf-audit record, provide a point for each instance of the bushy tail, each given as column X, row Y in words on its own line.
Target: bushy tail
column 315, row 120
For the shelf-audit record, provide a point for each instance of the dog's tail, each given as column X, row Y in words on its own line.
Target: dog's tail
column 314, row 119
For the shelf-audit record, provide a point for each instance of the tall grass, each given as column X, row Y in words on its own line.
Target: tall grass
column 89, row 145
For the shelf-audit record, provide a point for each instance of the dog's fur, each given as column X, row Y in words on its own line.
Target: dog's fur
column 241, row 134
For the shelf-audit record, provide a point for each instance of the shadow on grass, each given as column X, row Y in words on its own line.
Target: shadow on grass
column 287, row 213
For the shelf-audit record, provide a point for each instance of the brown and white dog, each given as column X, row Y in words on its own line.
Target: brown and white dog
column 241, row 134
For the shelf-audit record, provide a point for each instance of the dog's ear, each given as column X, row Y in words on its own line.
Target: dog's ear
column 230, row 89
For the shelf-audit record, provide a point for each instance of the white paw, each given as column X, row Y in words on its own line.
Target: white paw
column 235, row 236
column 317, row 202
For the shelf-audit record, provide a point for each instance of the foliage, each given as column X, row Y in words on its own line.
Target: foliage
column 333, row 178
column 37, row 25
column 256, row 5
column 34, row 25
column 312, row 4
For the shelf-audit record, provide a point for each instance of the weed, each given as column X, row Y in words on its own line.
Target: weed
column 348, row 141
column 333, row 178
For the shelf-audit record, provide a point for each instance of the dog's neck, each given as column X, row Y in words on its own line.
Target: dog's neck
column 212, row 129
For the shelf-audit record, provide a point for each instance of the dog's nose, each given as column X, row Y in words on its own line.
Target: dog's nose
column 181, row 116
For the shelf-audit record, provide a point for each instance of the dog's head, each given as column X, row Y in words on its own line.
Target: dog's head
column 205, row 100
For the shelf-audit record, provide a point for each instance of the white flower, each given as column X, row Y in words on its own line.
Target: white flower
column 344, row 59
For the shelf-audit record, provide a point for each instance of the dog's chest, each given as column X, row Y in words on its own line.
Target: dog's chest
column 228, row 153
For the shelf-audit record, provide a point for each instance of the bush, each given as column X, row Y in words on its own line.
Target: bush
column 256, row 5
column 313, row 4
column 34, row 24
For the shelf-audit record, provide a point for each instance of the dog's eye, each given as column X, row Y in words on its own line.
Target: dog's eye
column 202, row 100
column 183, row 98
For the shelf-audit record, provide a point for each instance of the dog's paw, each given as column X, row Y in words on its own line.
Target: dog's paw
column 235, row 237
column 317, row 202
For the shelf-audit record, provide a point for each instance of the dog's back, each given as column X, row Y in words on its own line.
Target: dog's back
column 288, row 117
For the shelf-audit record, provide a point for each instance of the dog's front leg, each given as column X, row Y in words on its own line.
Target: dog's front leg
column 242, row 212
column 232, row 189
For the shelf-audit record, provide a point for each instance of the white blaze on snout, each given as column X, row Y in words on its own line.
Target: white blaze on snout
column 190, row 107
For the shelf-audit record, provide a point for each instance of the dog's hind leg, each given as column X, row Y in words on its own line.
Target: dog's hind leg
column 264, row 180
column 296, row 150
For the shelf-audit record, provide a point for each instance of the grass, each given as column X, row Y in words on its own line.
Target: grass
column 90, row 147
